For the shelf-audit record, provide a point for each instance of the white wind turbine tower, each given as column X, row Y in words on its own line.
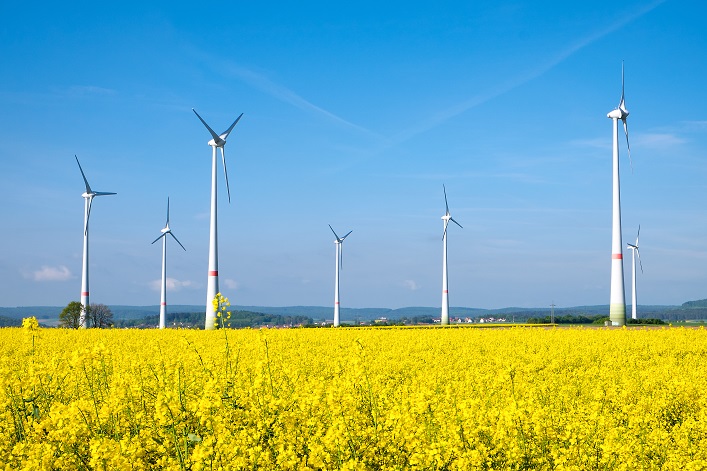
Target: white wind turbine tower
column 445, row 283
column 635, row 254
column 617, row 303
column 163, row 297
column 339, row 263
column 217, row 141
column 88, row 196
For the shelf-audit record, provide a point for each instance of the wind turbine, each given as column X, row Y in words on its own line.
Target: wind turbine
column 88, row 196
column 339, row 264
column 217, row 141
column 635, row 254
column 617, row 303
column 445, row 284
column 163, row 297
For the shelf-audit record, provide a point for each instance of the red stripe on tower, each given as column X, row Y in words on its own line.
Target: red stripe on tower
column 85, row 293
column 445, row 291
column 163, row 304
column 213, row 273
column 617, row 256
column 336, row 302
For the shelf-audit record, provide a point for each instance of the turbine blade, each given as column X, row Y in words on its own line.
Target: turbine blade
column 332, row 230
column 211, row 131
column 638, row 253
column 162, row 235
column 628, row 146
column 225, row 172
column 88, row 187
column 341, row 256
column 455, row 222
column 446, row 206
column 622, row 103
column 224, row 135
column 167, row 212
column 446, row 223
column 638, row 235
column 88, row 215
column 103, row 193
column 175, row 238
column 347, row 234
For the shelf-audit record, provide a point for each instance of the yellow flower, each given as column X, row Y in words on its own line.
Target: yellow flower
column 30, row 324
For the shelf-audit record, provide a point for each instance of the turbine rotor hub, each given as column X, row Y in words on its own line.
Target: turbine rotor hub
column 616, row 114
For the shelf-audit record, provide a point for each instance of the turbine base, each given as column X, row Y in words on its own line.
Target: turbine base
column 617, row 314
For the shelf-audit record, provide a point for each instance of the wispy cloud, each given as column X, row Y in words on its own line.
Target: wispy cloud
column 694, row 126
column 231, row 284
column 47, row 273
column 655, row 139
column 90, row 90
column 521, row 177
column 659, row 140
column 595, row 143
column 172, row 284
column 411, row 285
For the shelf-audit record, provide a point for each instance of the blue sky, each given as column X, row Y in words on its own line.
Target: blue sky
column 355, row 115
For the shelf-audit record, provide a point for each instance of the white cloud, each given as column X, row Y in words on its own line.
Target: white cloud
column 411, row 285
column 231, row 284
column 694, row 126
column 596, row 143
column 47, row 273
column 654, row 140
column 659, row 140
column 172, row 284
column 86, row 90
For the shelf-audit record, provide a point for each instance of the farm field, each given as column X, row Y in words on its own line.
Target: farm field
column 426, row 398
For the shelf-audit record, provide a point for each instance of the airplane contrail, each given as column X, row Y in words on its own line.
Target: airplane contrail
column 444, row 115
column 264, row 84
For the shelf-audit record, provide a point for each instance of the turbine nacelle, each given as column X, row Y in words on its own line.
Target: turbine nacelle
column 617, row 113
column 218, row 141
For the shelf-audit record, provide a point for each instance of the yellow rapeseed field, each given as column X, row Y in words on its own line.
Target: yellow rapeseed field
column 433, row 398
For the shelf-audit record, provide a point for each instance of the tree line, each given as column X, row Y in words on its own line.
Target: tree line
column 598, row 319
column 195, row 320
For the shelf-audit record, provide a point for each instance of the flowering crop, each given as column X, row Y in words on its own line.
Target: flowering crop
column 434, row 398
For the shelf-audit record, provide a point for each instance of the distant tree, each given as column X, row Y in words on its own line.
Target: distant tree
column 71, row 315
column 645, row 321
column 9, row 322
column 99, row 316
